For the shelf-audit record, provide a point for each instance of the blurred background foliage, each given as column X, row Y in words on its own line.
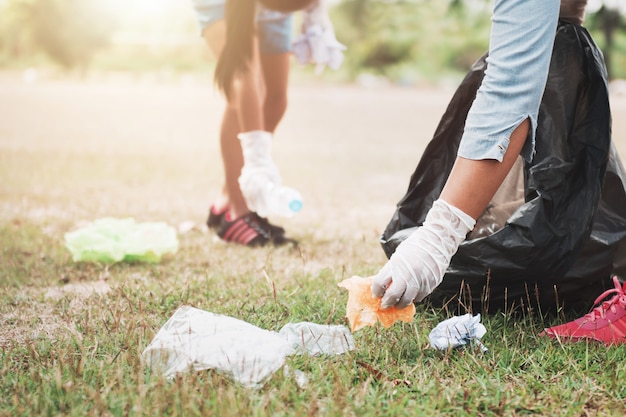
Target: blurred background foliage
column 404, row 41
column 66, row 32
column 408, row 40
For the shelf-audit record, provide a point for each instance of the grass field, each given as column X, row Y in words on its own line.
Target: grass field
column 71, row 334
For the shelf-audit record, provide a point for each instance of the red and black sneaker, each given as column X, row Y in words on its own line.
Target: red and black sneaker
column 215, row 217
column 215, row 220
column 276, row 230
column 606, row 323
column 248, row 230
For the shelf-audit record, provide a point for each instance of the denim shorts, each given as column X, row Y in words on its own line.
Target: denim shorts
column 520, row 49
column 275, row 29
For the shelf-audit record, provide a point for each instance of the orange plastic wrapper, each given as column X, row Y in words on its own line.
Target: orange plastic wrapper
column 363, row 309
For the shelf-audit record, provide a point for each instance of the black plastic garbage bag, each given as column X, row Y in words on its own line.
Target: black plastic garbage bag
column 562, row 229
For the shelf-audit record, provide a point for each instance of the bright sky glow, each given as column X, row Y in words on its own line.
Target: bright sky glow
column 146, row 11
column 147, row 8
column 153, row 22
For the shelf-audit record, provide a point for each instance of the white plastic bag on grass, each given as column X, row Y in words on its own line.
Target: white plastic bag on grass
column 196, row 340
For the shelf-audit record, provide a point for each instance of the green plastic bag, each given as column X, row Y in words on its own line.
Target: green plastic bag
column 113, row 240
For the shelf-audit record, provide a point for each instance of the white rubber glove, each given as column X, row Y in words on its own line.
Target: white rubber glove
column 419, row 263
column 317, row 43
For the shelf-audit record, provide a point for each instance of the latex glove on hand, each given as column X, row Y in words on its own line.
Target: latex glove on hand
column 419, row 263
column 317, row 14
column 317, row 43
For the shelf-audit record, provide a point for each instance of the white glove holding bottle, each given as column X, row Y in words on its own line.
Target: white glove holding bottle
column 419, row 263
column 260, row 180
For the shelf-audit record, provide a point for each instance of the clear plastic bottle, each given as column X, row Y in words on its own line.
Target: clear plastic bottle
column 267, row 198
column 277, row 200
column 260, row 180
column 285, row 201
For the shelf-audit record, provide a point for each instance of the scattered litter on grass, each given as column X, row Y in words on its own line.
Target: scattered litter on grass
column 458, row 331
column 363, row 309
column 318, row 339
column 112, row 240
column 196, row 340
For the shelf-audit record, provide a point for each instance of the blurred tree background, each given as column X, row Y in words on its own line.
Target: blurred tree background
column 67, row 32
column 404, row 41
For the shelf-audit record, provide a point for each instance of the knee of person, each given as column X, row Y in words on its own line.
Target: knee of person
column 238, row 87
column 277, row 102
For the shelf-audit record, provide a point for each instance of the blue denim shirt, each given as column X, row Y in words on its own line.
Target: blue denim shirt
column 520, row 48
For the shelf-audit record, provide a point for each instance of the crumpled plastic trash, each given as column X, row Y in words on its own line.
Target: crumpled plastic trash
column 458, row 331
column 317, row 339
column 317, row 44
column 194, row 339
column 363, row 309
column 113, row 240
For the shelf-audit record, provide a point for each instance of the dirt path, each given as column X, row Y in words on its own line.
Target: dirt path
column 151, row 150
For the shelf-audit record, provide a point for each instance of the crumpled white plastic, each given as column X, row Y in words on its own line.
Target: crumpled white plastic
column 195, row 340
column 317, row 44
column 458, row 331
column 318, row 339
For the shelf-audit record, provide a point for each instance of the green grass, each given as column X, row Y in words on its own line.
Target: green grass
column 68, row 349
column 78, row 355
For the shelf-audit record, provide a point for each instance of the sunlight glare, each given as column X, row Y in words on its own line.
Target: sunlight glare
column 145, row 10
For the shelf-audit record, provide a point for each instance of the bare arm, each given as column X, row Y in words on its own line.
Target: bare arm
column 573, row 11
